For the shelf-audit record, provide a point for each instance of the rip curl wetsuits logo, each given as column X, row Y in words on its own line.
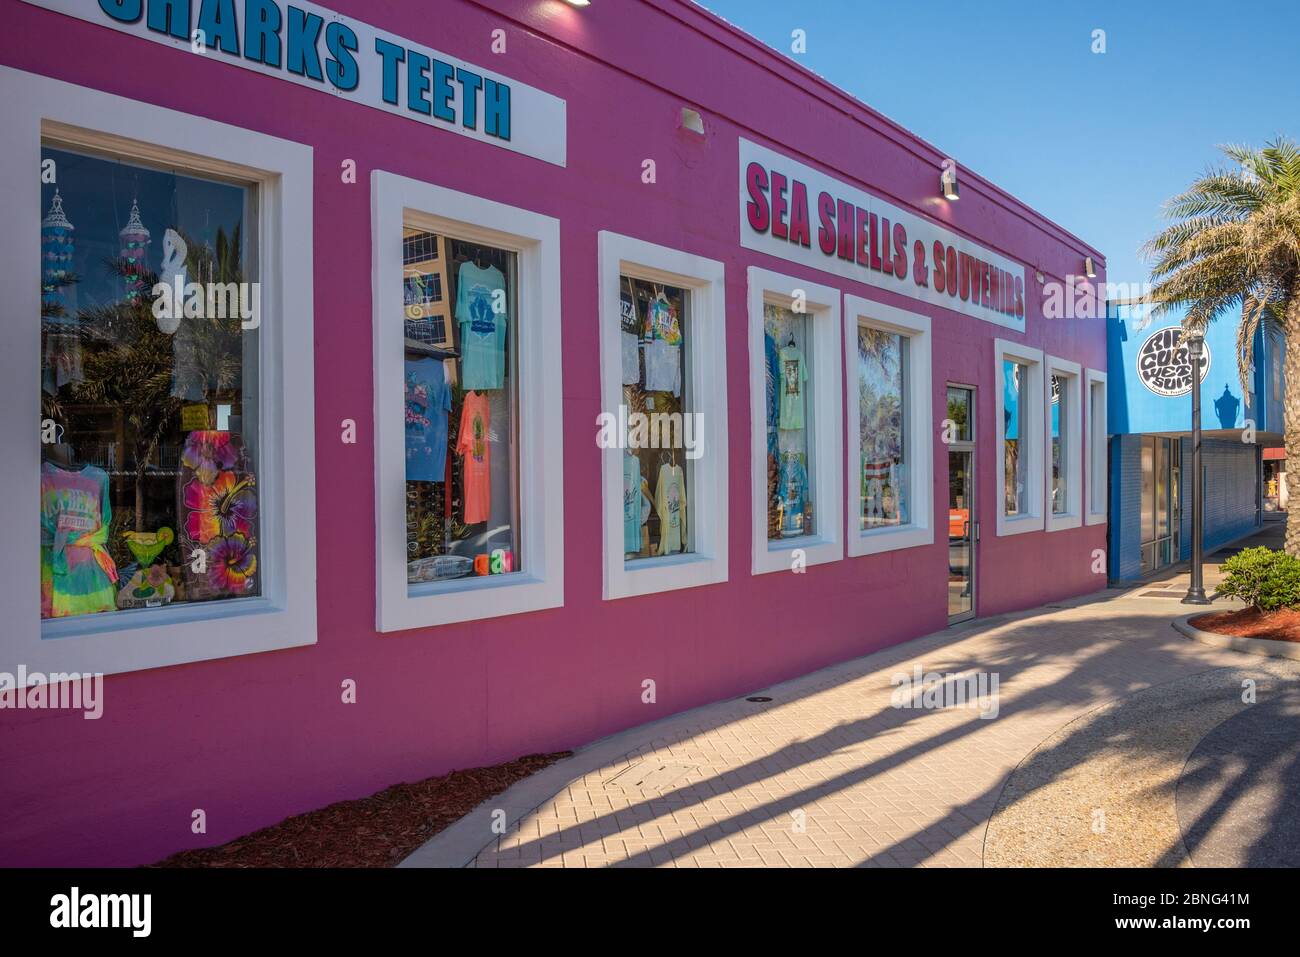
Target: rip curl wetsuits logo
column 1164, row 365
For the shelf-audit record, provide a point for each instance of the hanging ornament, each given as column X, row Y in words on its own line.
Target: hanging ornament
column 134, row 239
column 56, row 254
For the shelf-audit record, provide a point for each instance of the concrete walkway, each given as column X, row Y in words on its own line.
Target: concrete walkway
column 830, row 773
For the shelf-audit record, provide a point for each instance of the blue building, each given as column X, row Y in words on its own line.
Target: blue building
column 1149, row 414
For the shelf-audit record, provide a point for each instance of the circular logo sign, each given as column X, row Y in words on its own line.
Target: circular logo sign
column 1163, row 363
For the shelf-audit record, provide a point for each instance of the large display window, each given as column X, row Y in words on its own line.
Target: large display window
column 159, row 378
column 1095, row 438
column 891, row 436
column 467, row 406
column 662, row 427
column 795, row 403
column 1063, row 444
column 1021, row 450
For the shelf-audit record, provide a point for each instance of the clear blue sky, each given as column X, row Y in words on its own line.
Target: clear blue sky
column 1012, row 90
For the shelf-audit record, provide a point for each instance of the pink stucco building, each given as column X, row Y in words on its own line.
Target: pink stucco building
column 630, row 208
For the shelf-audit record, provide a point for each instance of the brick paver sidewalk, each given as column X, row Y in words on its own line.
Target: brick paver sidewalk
column 830, row 772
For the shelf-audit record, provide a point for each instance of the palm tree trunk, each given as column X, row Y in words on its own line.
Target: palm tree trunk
column 1291, row 415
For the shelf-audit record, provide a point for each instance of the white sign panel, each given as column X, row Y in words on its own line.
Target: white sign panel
column 307, row 44
column 797, row 213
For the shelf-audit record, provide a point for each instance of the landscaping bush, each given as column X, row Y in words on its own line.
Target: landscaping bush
column 1264, row 579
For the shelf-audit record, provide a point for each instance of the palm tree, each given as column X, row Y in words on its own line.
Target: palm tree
column 1236, row 245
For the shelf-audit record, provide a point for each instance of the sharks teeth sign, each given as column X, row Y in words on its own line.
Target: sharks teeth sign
column 309, row 45
column 797, row 213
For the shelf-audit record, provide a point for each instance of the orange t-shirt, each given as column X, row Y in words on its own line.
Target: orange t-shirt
column 472, row 445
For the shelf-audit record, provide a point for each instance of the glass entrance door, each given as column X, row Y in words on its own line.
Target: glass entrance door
column 961, row 535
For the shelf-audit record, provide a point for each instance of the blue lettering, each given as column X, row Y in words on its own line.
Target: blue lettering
column 417, row 82
column 342, row 43
column 496, row 109
column 219, row 26
column 304, row 33
column 393, row 55
column 123, row 11
column 166, row 16
column 442, row 91
column 470, row 84
column 262, row 32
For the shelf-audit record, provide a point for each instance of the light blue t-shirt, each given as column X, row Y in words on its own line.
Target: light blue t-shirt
column 636, row 507
column 428, row 400
column 483, row 327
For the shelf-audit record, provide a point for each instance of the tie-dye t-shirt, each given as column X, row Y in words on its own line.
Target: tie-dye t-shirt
column 77, row 573
column 472, row 445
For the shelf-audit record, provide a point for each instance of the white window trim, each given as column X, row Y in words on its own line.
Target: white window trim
column 284, row 615
column 396, row 200
column 1032, row 519
column 1095, row 437
column 822, row 304
column 920, row 436
column 1071, row 378
column 707, row 505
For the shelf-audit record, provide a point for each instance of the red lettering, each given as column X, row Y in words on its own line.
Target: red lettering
column 864, row 239
column 966, row 277
column 940, row 277
column 799, row 214
column 920, row 275
column 875, row 246
column 900, row 251
column 826, row 219
column 951, row 260
column 779, row 206
column 756, row 208
column 844, row 219
column 1020, row 298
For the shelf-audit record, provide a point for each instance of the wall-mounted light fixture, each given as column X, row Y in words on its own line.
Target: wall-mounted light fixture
column 1038, row 274
column 948, row 181
column 691, row 120
column 578, row 3
column 1089, row 269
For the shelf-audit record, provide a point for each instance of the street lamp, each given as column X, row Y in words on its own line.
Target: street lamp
column 1196, row 588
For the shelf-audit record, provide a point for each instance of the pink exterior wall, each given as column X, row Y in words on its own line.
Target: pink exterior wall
column 253, row 739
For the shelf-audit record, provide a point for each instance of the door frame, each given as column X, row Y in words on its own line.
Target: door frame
column 969, row 445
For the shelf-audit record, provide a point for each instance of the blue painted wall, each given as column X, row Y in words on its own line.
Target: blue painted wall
column 1231, row 485
column 1135, row 408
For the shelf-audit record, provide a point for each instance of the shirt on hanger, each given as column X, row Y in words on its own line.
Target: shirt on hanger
column 670, row 505
column 794, row 373
column 636, row 506
column 793, row 489
column 483, row 327
column 428, row 400
column 630, row 338
column 472, row 445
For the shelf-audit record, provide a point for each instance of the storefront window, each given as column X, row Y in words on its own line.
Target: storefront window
column 150, row 332
column 790, row 427
column 460, row 307
column 657, row 472
column 1014, row 459
column 884, row 483
column 1060, row 470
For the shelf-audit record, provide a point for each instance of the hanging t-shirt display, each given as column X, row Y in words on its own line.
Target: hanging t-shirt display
column 670, row 505
column 793, row 491
column 794, row 373
column 77, row 573
column 773, row 368
column 630, row 338
column 663, row 343
column 482, row 311
column 428, row 400
column 472, row 446
column 636, row 506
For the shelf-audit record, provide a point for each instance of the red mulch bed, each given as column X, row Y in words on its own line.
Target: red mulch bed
column 377, row 831
column 1280, row 625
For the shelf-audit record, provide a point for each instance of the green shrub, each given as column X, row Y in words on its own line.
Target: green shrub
column 1262, row 578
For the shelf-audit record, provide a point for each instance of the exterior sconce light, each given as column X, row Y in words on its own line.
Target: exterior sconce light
column 578, row 3
column 1089, row 269
column 691, row 120
column 948, row 180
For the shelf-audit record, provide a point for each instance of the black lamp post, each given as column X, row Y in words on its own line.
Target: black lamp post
column 1196, row 589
